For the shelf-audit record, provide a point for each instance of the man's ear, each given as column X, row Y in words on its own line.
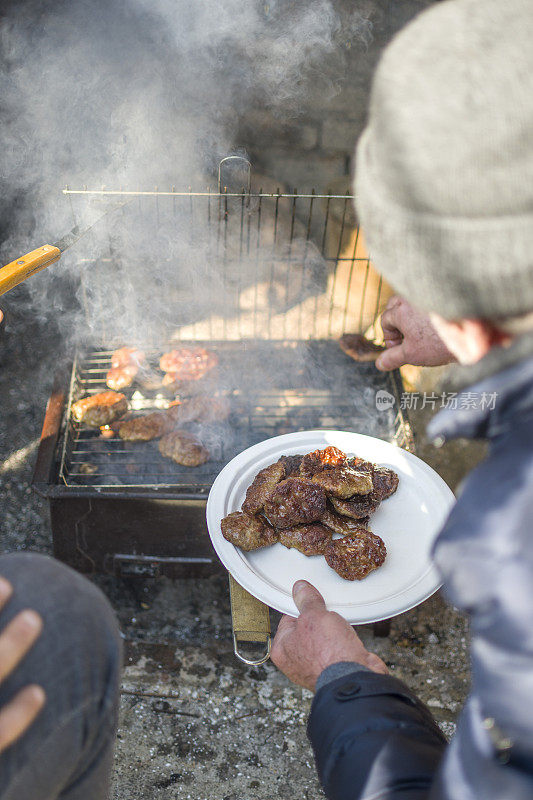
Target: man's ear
column 482, row 336
column 470, row 339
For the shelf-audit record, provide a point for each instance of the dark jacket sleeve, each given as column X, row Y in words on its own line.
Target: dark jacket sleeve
column 373, row 739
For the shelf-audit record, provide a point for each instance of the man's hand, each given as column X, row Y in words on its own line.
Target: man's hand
column 410, row 338
column 303, row 647
column 15, row 641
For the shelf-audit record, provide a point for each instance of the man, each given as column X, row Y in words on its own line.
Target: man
column 60, row 663
column 444, row 188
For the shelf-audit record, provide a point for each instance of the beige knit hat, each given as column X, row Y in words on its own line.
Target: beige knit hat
column 444, row 169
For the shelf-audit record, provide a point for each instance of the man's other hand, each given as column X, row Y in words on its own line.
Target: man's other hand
column 410, row 338
column 303, row 647
column 15, row 641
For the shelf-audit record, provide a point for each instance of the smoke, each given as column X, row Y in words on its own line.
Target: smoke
column 143, row 94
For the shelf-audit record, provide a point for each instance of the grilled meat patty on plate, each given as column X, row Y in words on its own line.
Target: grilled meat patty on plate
column 247, row 532
column 311, row 540
column 262, row 486
column 343, row 481
column 295, row 502
column 354, row 556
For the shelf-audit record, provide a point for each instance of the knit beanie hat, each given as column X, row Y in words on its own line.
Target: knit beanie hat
column 444, row 168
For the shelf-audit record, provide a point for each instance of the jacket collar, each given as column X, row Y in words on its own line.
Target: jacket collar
column 487, row 408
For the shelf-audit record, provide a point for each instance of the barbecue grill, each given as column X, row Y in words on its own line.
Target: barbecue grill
column 266, row 279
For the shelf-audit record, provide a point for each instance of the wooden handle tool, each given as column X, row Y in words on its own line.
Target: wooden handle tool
column 17, row 271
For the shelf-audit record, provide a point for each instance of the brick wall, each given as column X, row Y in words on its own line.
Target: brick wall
column 310, row 146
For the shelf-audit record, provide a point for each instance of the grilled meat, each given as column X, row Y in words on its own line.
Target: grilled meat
column 291, row 465
column 385, row 483
column 343, row 482
column 125, row 356
column 342, row 525
column 359, row 347
column 311, row 540
column 356, row 508
column 168, row 384
column 247, row 532
column 360, row 464
column 319, row 460
column 147, row 427
column 125, row 364
column 188, row 363
column 121, row 377
column 293, row 495
column 99, row 409
column 158, row 423
column 263, row 484
column 202, row 409
column 183, row 448
column 295, row 502
column 354, row 556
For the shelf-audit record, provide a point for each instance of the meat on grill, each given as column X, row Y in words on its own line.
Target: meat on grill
column 99, row 409
column 127, row 355
column 121, row 377
column 202, row 408
column 295, row 502
column 356, row 508
column 247, row 532
column 359, row 347
column 354, row 556
column 125, row 364
column 187, row 363
column 311, row 540
column 260, row 489
column 342, row 525
column 147, row 427
column 158, row 423
column 343, row 481
column 321, row 459
column 183, row 448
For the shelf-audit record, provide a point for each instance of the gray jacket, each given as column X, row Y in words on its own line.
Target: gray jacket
column 371, row 736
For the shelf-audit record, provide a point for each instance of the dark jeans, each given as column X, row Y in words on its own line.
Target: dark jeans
column 68, row 751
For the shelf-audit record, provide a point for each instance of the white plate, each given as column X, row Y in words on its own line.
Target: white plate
column 408, row 522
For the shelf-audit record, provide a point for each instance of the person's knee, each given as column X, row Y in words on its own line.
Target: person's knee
column 79, row 623
column 77, row 661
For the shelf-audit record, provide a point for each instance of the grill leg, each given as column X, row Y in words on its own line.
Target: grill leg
column 381, row 628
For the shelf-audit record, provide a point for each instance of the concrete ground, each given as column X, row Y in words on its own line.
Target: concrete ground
column 196, row 723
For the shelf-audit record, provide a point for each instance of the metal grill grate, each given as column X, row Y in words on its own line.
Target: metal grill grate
column 259, row 263
column 267, row 278
column 311, row 385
